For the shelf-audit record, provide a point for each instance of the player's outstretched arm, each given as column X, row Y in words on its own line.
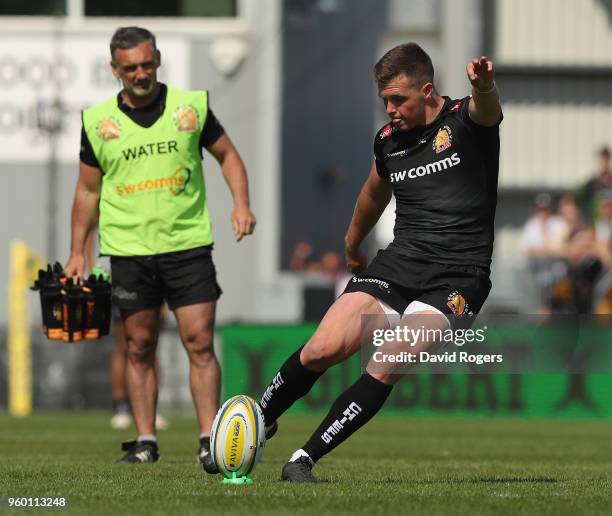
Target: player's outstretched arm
column 484, row 107
column 234, row 172
column 372, row 201
column 84, row 216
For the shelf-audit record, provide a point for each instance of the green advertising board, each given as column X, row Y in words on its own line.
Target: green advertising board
column 252, row 354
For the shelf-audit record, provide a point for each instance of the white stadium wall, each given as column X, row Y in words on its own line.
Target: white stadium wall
column 552, row 145
column 556, row 63
column 553, row 32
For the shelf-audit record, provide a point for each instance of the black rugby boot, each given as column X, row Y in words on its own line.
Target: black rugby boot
column 299, row 471
column 139, row 452
column 205, row 457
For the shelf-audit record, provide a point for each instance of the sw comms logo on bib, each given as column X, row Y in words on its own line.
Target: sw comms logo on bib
column 176, row 183
column 185, row 119
column 108, row 129
column 443, row 139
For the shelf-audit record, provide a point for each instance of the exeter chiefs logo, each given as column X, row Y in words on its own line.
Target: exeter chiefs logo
column 443, row 139
column 185, row 119
column 456, row 302
column 109, row 129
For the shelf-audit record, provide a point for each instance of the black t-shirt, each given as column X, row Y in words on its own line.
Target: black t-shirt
column 146, row 116
column 444, row 178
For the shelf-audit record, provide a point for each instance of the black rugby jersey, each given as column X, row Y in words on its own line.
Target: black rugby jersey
column 444, row 178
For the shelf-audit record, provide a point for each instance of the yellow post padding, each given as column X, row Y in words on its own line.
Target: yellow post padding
column 24, row 264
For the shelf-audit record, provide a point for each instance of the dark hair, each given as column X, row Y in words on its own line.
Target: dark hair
column 604, row 151
column 409, row 59
column 130, row 37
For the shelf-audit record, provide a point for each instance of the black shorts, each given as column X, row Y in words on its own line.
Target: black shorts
column 458, row 291
column 181, row 278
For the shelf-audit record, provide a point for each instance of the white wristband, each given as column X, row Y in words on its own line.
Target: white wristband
column 493, row 86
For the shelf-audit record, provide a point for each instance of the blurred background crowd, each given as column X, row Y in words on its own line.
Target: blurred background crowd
column 568, row 242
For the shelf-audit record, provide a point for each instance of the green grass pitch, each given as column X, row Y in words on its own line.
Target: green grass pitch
column 392, row 466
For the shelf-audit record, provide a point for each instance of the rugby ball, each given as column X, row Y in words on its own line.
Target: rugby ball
column 237, row 436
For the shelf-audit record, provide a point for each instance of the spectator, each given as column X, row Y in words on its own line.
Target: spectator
column 544, row 234
column 598, row 187
column 603, row 234
column 544, row 237
column 332, row 266
column 570, row 215
column 585, row 269
column 603, row 227
column 301, row 257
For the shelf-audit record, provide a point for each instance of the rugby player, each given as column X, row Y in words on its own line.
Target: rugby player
column 440, row 158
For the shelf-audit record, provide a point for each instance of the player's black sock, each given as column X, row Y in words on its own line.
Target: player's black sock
column 291, row 382
column 351, row 410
